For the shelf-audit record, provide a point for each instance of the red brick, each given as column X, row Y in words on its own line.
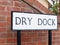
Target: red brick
column 3, row 18
column 2, row 29
column 26, row 39
column 13, row 8
column 2, row 40
column 7, row 3
column 24, row 5
column 3, row 24
column 15, row 44
column 9, row 30
column 23, row 43
column 17, row 4
column 33, row 43
column 2, row 44
column 2, row 8
column 20, row 4
column 56, row 38
column 2, row 0
column 6, row 35
column 15, row 35
column 29, row 34
column 14, row 0
column 58, row 19
column 9, row 20
column 39, row 43
column 26, row 31
column 5, row 13
column 3, row 35
column 8, row 43
column 30, row 1
column 11, row 40
column 9, row 35
column 7, row 0
column 25, row 9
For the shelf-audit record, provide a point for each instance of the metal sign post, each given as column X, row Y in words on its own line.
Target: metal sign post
column 19, row 37
column 50, row 37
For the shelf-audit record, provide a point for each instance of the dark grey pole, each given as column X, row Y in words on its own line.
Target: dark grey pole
column 18, row 37
column 50, row 37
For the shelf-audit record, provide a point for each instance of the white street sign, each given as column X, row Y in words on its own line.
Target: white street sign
column 28, row 21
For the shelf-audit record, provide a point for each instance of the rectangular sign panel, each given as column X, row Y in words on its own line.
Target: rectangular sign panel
column 27, row 21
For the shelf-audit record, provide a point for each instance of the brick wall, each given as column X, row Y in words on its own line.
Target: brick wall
column 9, row 37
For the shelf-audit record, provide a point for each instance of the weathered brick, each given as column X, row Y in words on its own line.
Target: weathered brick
column 30, row 1
column 31, row 43
column 3, row 24
column 2, row 40
column 6, row 3
column 26, row 39
column 2, row 8
column 39, row 43
column 5, row 13
column 3, row 18
column 26, row 9
column 2, row 29
column 6, row 35
column 17, row 4
column 11, row 40
column 23, row 43
column 13, row 8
